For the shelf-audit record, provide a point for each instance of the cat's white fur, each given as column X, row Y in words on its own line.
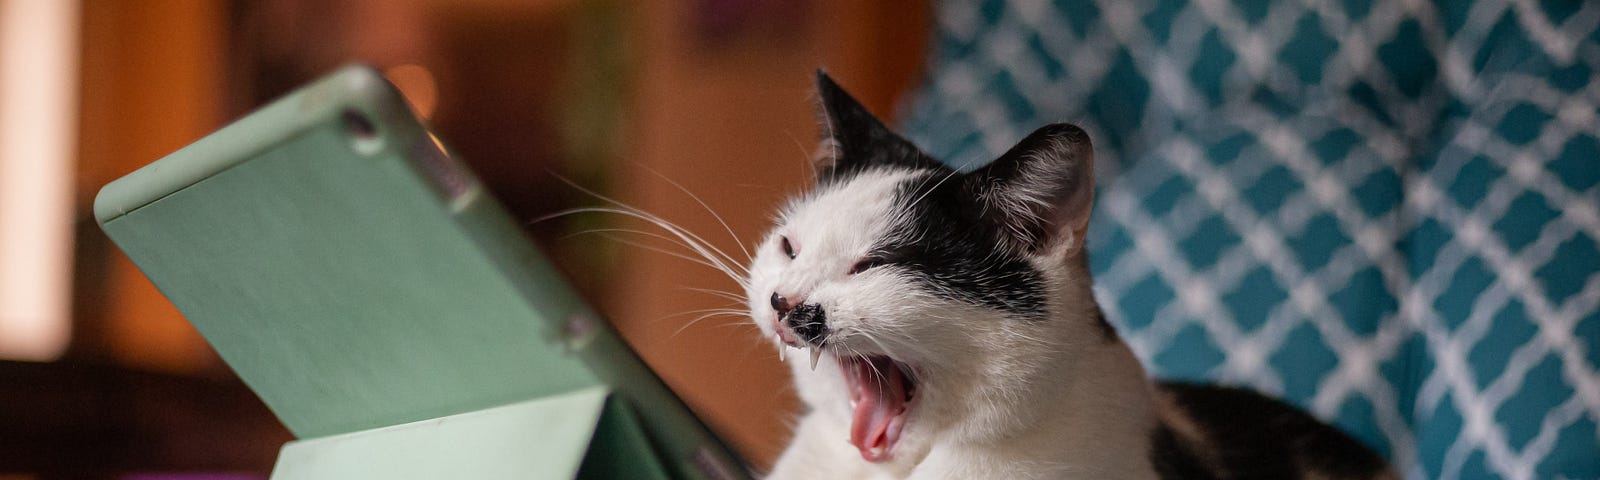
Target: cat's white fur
column 996, row 397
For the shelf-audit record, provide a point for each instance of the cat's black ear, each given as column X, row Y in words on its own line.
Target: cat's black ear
column 853, row 140
column 1040, row 192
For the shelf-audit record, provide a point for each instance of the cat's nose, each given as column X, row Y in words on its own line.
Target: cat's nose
column 781, row 304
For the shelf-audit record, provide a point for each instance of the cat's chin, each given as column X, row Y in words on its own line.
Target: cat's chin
column 881, row 391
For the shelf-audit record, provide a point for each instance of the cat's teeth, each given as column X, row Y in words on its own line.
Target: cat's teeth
column 782, row 352
column 816, row 354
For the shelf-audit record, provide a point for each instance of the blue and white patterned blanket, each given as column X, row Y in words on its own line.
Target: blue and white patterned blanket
column 1385, row 212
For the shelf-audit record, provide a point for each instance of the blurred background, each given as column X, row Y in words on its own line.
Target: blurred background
column 1383, row 212
column 101, row 376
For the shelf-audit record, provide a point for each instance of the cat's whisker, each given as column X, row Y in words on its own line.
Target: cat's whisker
column 904, row 342
column 675, row 255
column 701, row 318
column 652, row 218
column 692, row 241
column 807, row 161
column 831, row 144
column 672, row 240
column 725, row 311
column 877, row 375
column 698, row 242
column 708, row 209
column 935, row 186
column 875, row 341
column 718, row 293
column 709, row 254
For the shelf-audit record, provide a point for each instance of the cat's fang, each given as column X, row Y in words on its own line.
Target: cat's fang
column 783, row 351
column 816, row 354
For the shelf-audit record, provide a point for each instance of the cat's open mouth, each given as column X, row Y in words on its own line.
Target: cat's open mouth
column 880, row 391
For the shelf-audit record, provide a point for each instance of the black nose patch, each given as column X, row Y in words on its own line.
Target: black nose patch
column 809, row 322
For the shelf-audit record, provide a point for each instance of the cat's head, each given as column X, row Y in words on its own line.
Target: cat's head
column 900, row 275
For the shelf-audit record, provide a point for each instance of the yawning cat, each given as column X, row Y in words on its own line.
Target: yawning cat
column 941, row 325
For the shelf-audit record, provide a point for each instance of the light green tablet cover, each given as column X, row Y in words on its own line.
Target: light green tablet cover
column 357, row 278
column 512, row 441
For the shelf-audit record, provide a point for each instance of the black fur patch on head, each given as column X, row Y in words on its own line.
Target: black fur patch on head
column 968, row 236
column 956, row 257
column 856, row 141
column 1038, row 190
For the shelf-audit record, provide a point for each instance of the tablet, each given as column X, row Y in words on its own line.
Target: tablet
column 355, row 276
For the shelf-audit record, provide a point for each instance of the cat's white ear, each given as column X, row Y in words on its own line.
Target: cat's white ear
column 854, row 140
column 1040, row 192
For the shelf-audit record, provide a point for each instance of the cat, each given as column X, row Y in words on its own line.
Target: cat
column 940, row 324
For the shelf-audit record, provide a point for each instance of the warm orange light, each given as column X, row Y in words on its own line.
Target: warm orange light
column 38, row 103
column 416, row 84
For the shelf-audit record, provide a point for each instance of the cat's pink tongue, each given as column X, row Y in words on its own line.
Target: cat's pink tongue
column 879, row 393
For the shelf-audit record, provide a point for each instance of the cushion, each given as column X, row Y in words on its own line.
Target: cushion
column 1383, row 212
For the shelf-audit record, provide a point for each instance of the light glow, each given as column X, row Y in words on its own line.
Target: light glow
column 38, row 134
column 416, row 84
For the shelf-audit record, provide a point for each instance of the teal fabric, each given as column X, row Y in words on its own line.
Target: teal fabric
column 1384, row 212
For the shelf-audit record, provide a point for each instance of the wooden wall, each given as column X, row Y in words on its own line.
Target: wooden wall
column 733, row 119
column 720, row 100
column 153, row 81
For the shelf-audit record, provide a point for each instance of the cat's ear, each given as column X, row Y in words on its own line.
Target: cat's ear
column 1040, row 192
column 854, row 140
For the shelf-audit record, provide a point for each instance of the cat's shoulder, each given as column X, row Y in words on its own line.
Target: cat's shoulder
column 1217, row 432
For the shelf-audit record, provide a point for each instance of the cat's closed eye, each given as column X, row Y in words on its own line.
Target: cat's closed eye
column 788, row 249
column 867, row 263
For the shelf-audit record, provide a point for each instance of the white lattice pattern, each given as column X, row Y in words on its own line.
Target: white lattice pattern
column 1385, row 212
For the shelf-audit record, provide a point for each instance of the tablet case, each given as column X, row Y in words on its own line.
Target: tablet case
column 364, row 285
column 600, row 439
